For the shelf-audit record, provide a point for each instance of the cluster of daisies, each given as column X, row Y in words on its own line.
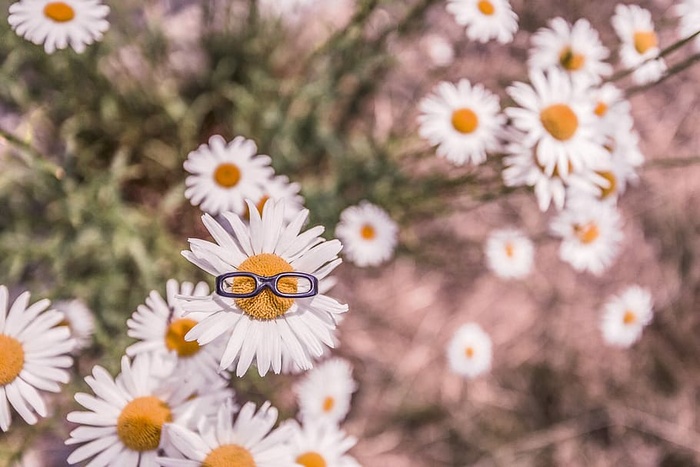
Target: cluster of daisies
column 170, row 404
column 569, row 136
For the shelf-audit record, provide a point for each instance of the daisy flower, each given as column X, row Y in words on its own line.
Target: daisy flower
column 246, row 440
column 57, row 25
column 224, row 174
column 575, row 49
column 79, row 320
column 558, row 121
column 591, row 234
column 509, row 253
column 34, row 352
column 522, row 169
column 368, row 234
column 485, row 19
column 469, row 352
column 160, row 326
column 611, row 109
column 626, row 315
column 124, row 422
column 640, row 44
column 462, row 121
column 265, row 327
column 324, row 393
column 320, row 444
column 438, row 49
column 279, row 188
column 688, row 11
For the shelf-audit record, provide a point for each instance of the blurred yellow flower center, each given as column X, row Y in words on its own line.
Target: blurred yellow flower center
column 11, row 359
column 510, row 250
column 140, row 424
column 465, row 120
column 629, row 318
column 265, row 305
column 560, row 121
column 486, row 7
column 328, row 404
column 610, row 177
column 645, row 40
column 175, row 337
column 311, row 459
column 367, row 232
column 570, row 60
column 59, row 12
column 229, row 455
column 259, row 206
column 227, row 175
column 587, row 233
column 469, row 352
column 601, row 109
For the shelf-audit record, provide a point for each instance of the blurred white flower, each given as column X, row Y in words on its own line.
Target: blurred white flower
column 625, row 316
column 556, row 116
column 223, row 175
column 79, row 319
column 368, row 234
column 58, row 24
column 688, row 12
column 485, row 19
column 279, row 188
column 509, row 253
column 575, row 49
column 469, row 353
column 439, row 49
column 325, row 392
column 462, row 120
column 591, row 234
column 640, row 43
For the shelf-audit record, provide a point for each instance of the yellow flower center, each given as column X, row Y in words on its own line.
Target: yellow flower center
column 59, row 12
column 328, row 404
column 645, row 40
column 265, row 305
column 311, row 459
column 227, row 175
column 570, row 60
column 367, row 232
column 469, row 352
column 629, row 318
column 610, row 177
column 587, row 233
column 486, row 7
column 175, row 337
column 229, row 455
column 140, row 424
column 11, row 359
column 465, row 120
column 601, row 109
column 560, row 121
column 510, row 250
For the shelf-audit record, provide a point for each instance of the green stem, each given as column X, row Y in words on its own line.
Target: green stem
column 30, row 155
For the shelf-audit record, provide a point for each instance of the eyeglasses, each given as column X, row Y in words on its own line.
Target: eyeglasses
column 303, row 284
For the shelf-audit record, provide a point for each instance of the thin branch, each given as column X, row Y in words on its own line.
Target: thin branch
column 677, row 68
column 668, row 50
column 30, row 155
column 672, row 162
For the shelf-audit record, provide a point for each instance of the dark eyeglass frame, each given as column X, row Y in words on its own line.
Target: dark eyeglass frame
column 262, row 282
